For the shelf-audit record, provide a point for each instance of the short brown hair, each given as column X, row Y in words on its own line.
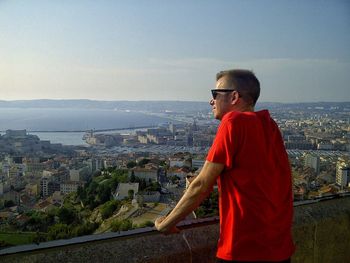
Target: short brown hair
column 244, row 81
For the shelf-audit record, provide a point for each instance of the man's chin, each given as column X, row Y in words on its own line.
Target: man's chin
column 216, row 116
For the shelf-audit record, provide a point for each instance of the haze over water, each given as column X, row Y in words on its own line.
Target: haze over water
column 73, row 119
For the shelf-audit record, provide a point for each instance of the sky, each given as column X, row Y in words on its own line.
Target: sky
column 172, row 50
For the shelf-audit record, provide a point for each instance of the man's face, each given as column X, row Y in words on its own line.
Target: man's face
column 222, row 102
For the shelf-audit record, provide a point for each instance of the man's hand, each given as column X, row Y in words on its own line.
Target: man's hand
column 198, row 190
column 161, row 228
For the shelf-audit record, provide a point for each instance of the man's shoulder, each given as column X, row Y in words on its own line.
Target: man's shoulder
column 251, row 115
column 232, row 115
column 240, row 120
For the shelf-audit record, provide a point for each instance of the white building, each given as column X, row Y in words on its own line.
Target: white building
column 74, row 175
column 44, row 186
column 145, row 173
column 123, row 189
column 312, row 161
column 69, row 187
column 80, row 174
column 343, row 173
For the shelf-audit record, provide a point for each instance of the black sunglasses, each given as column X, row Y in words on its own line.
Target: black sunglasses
column 215, row 92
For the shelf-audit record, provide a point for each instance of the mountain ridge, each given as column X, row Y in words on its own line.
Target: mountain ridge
column 149, row 105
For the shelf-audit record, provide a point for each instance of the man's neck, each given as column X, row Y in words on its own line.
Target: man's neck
column 244, row 108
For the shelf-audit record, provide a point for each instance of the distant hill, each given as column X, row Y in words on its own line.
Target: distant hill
column 153, row 106
column 156, row 106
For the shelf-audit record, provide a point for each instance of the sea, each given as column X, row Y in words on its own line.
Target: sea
column 68, row 125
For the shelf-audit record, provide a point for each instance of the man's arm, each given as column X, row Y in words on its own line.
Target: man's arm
column 198, row 190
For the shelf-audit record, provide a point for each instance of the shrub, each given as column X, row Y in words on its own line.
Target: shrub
column 108, row 208
column 121, row 225
column 146, row 224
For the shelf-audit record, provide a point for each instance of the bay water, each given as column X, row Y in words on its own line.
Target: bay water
column 67, row 126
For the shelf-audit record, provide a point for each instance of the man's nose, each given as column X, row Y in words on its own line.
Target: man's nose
column 211, row 102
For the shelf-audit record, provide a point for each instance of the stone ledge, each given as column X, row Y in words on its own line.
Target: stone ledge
column 321, row 233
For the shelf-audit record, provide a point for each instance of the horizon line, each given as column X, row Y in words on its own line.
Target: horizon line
column 189, row 101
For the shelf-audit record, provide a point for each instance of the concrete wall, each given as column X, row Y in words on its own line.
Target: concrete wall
column 321, row 232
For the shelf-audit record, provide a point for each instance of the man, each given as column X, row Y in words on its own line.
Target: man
column 249, row 162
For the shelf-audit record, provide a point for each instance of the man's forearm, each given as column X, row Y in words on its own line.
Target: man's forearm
column 198, row 190
column 192, row 198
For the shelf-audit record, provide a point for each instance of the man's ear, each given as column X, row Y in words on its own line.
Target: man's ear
column 234, row 98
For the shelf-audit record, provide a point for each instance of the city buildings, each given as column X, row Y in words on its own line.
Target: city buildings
column 36, row 175
column 343, row 173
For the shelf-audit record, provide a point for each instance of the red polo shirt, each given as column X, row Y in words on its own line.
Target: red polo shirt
column 255, row 189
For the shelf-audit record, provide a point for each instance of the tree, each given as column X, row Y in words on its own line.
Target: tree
column 37, row 222
column 67, row 215
column 91, row 189
column 51, row 215
column 131, row 164
column 81, row 193
column 143, row 162
column 91, row 201
column 132, row 177
column 104, row 193
column 120, row 175
column 142, row 184
column 162, row 163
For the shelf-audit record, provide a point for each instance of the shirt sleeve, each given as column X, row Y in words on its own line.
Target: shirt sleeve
column 223, row 149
